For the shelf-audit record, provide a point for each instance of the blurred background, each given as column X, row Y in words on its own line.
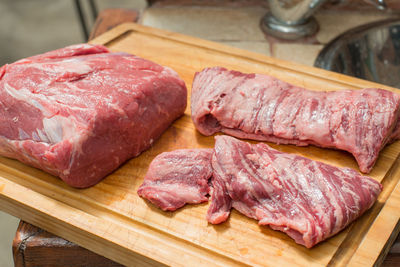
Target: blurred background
column 32, row 27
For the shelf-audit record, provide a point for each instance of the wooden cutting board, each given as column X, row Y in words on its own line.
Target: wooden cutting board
column 112, row 220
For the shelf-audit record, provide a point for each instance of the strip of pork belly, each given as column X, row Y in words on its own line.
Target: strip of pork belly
column 261, row 107
column 178, row 177
column 308, row 200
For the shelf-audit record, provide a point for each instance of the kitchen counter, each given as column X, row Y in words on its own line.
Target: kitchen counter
column 239, row 26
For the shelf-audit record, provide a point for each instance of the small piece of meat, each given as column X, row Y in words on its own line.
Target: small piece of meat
column 308, row 200
column 263, row 108
column 178, row 177
column 81, row 111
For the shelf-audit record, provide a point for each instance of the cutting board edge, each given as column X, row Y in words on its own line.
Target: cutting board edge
column 361, row 228
column 387, row 225
column 123, row 30
column 56, row 222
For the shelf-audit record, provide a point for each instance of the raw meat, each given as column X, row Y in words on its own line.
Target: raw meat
column 81, row 111
column 263, row 108
column 178, row 177
column 308, row 200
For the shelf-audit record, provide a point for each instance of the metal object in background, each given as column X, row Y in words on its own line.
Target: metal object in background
column 370, row 52
column 82, row 17
column 292, row 19
column 380, row 4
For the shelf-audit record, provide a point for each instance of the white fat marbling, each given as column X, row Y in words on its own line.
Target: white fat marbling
column 58, row 128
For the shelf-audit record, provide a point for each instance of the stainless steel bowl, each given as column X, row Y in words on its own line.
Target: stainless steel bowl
column 370, row 52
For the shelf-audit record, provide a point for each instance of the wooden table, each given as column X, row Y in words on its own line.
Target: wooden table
column 33, row 246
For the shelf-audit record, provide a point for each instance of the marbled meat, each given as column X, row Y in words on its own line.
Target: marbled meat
column 178, row 177
column 79, row 112
column 308, row 200
column 261, row 107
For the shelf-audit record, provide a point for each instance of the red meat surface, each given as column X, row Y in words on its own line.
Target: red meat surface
column 308, row 200
column 261, row 107
column 178, row 177
column 81, row 111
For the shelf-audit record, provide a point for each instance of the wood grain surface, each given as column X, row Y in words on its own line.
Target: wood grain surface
column 33, row 246
column 110, row 219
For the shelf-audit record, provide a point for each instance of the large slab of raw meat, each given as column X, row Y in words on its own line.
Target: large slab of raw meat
column 308, row 200
column 261, row 107
column 81, row 111
column 178, row 177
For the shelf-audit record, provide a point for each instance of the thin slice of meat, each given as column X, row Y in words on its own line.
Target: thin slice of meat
column 308, row 200
column 261, row 107
column 178, row 177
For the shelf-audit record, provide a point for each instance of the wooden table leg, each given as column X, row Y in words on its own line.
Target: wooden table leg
column 393, row 257
column 33, row 246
